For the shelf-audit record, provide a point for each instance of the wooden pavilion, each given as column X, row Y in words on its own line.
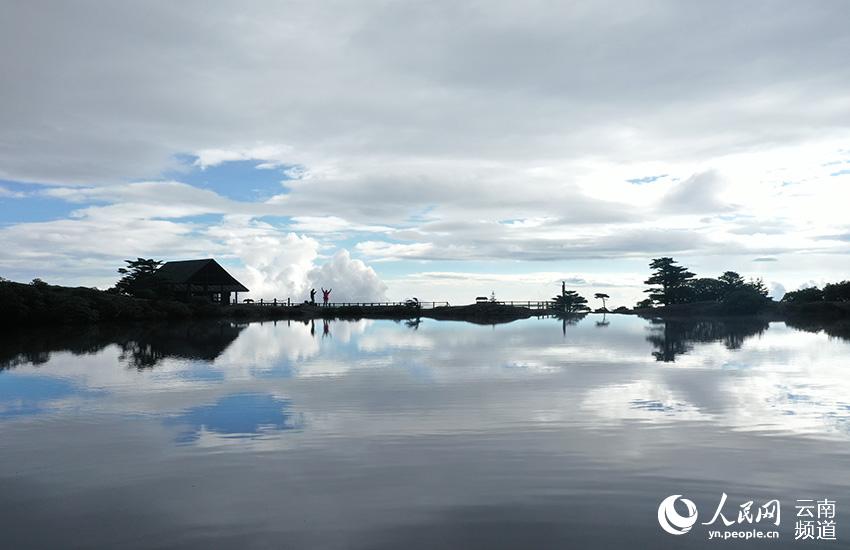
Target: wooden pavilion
column 199, row 279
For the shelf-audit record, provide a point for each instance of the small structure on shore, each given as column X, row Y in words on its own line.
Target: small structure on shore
column 199, row 279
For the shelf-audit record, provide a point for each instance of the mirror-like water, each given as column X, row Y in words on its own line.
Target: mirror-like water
column 375, row 434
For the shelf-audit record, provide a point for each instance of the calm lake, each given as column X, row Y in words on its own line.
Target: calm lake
column 540, row 433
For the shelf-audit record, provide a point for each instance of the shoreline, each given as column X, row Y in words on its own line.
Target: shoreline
column 27, row 305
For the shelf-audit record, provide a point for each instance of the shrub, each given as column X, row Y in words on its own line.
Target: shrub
column 803, row 296
column 837, row 292
column 744, row 301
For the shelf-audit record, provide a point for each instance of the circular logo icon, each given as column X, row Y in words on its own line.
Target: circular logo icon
column 671, row 521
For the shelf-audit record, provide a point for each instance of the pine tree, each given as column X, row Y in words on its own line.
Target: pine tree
column 571, row 301
column 672, row 279
column 137, row 276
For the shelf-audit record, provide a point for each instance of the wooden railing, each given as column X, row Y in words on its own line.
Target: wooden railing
column 530, row 304
column 285, row 303
column 543, row 304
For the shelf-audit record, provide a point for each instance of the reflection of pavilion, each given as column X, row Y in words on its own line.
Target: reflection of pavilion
column 199, row 340
column 142, row 345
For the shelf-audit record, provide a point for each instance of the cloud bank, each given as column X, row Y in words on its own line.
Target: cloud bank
column 580, row 138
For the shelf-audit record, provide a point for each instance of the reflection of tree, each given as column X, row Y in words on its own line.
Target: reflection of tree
column 675, row 337
column 568, row 319
column 604, row 322
column 142, row 346
column 413, row 323
column 835, row 329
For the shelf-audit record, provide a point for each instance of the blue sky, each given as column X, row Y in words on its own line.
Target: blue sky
column 441, row 150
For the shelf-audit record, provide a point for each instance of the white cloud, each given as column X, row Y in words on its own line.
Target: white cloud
column 697, row 194
column 461, row 131
column 349, row 280
column 9, row 194
column 271, row 155
column 333, row 224
column 276, row 263
column 392, row 251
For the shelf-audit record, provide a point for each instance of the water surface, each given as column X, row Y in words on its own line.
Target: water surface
column 374, row 434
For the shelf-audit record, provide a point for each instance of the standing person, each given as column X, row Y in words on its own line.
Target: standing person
column 326, row 294
column 313, row 296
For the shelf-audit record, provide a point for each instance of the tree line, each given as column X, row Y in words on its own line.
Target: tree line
column 671, row 283
column 675, row 284
column 831, row 292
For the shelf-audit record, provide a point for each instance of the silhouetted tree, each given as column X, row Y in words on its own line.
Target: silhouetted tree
column 758, row 286
column 644, row 304
column 803, row 296
column 837, row 292
column 602, row 296
column 137, row 277
column 571, row 302
column 706, row 289
column 731, row 280
column 746, row 300
column 672, row 280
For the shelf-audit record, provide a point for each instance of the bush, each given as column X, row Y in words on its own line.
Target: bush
column 803, row 296
column 837, row 292
column 75, row 309
column 744, row 301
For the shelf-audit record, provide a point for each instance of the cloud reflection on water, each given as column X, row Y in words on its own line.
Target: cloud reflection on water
column 744, row 375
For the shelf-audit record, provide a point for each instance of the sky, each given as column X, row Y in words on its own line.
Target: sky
column 443, row 150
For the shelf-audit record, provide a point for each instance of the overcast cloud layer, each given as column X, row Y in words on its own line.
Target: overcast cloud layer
column 454, row 147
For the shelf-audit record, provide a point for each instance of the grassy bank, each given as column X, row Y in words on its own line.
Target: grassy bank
column 770, row 310
column 41, row 304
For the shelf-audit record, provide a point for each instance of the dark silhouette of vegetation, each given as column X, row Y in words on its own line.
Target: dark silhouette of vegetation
column 677, row 293
column 731, row 280
column 40, row 303
column 138, row 278
column 670, row 282
column 832, row 292
column 837, row 292
column 570, row 301
column 646, row 303
column 706, row 289
column 602, row 296
column 728, row 294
